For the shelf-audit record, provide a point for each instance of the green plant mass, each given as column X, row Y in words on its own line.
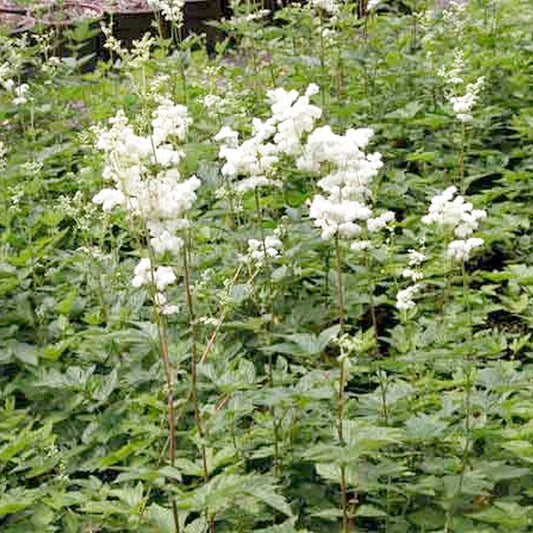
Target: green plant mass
column 283, row 286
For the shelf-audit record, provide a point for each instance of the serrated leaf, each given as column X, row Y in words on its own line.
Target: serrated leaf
column 509, row 515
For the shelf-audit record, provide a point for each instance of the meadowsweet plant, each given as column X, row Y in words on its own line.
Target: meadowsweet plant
column 258, row 250
column 343, row 212
column 251, row 164
column 144, row 171
column 172, row 10
column 463, row 97
column 229, row 308
column 453, row 213
column 413, row 272
column 462, row 104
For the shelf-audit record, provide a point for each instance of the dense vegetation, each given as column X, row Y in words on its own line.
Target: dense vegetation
column 306, row 336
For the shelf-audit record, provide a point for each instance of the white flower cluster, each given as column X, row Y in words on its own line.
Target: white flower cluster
column 140, row 53
column 213, row 102
column 330, row 6
column 252, row 162
column 111, row 42
column 160, row 277
column 454, row 75
column 372, row 5
column 460, row 250
column 258, row 250
column 455, row 18
column 343, row 208
column 404, row 298
column 19, row 92
column 413, row 270
column 147, row 182
column 251, row 17
column 462, row 104
column 446, row 210
column 338, row 217
column 458, row 215
column 172, row 10
column 158, row 195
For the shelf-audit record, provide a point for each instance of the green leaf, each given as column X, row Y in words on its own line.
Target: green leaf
column 509, row 515
column 369, row 511
column 424, row 427
column 120, row 454
column 26, row 353
column 521, row 448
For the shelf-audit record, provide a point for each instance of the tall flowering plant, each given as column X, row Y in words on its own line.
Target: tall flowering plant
column 143, row 171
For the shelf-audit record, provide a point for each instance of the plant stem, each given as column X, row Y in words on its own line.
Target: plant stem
column 467, row 370
column 194, row 359
column 323, row 72
column 194, row 373
column 373, row 316
column 270, row 367
column 169, row 386
column 340, row 434
column 340, row 392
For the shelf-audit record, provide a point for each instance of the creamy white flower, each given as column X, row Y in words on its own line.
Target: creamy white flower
column 251, row 164
column 172, row 10
column 250, row 17
column 454, row 75
column 213, row 102
column 162, row 199
column 170, row 120
column 338, row 218
column 293, row 115
column 445, row 210
column 312, row 89
column 164, row 276
column 404, row 298
column 460, row 250
column 259, row 251
column 354, row 169
column 142, row 272
column 380, row 222
column 331, row 6
column 166, row 156
column 360, row 246
column 250, row 184
column 164, row 241
column 462, row 104
column 109, row 198
column 416, row 258
column 21, row 94
column 227, row 137
column 164, row 308
column 346, row 186
column 415, row 275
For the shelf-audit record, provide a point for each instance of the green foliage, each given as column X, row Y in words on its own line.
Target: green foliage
column 422, row 418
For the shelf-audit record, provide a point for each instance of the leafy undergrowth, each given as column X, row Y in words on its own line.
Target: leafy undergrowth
column 308, row 336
